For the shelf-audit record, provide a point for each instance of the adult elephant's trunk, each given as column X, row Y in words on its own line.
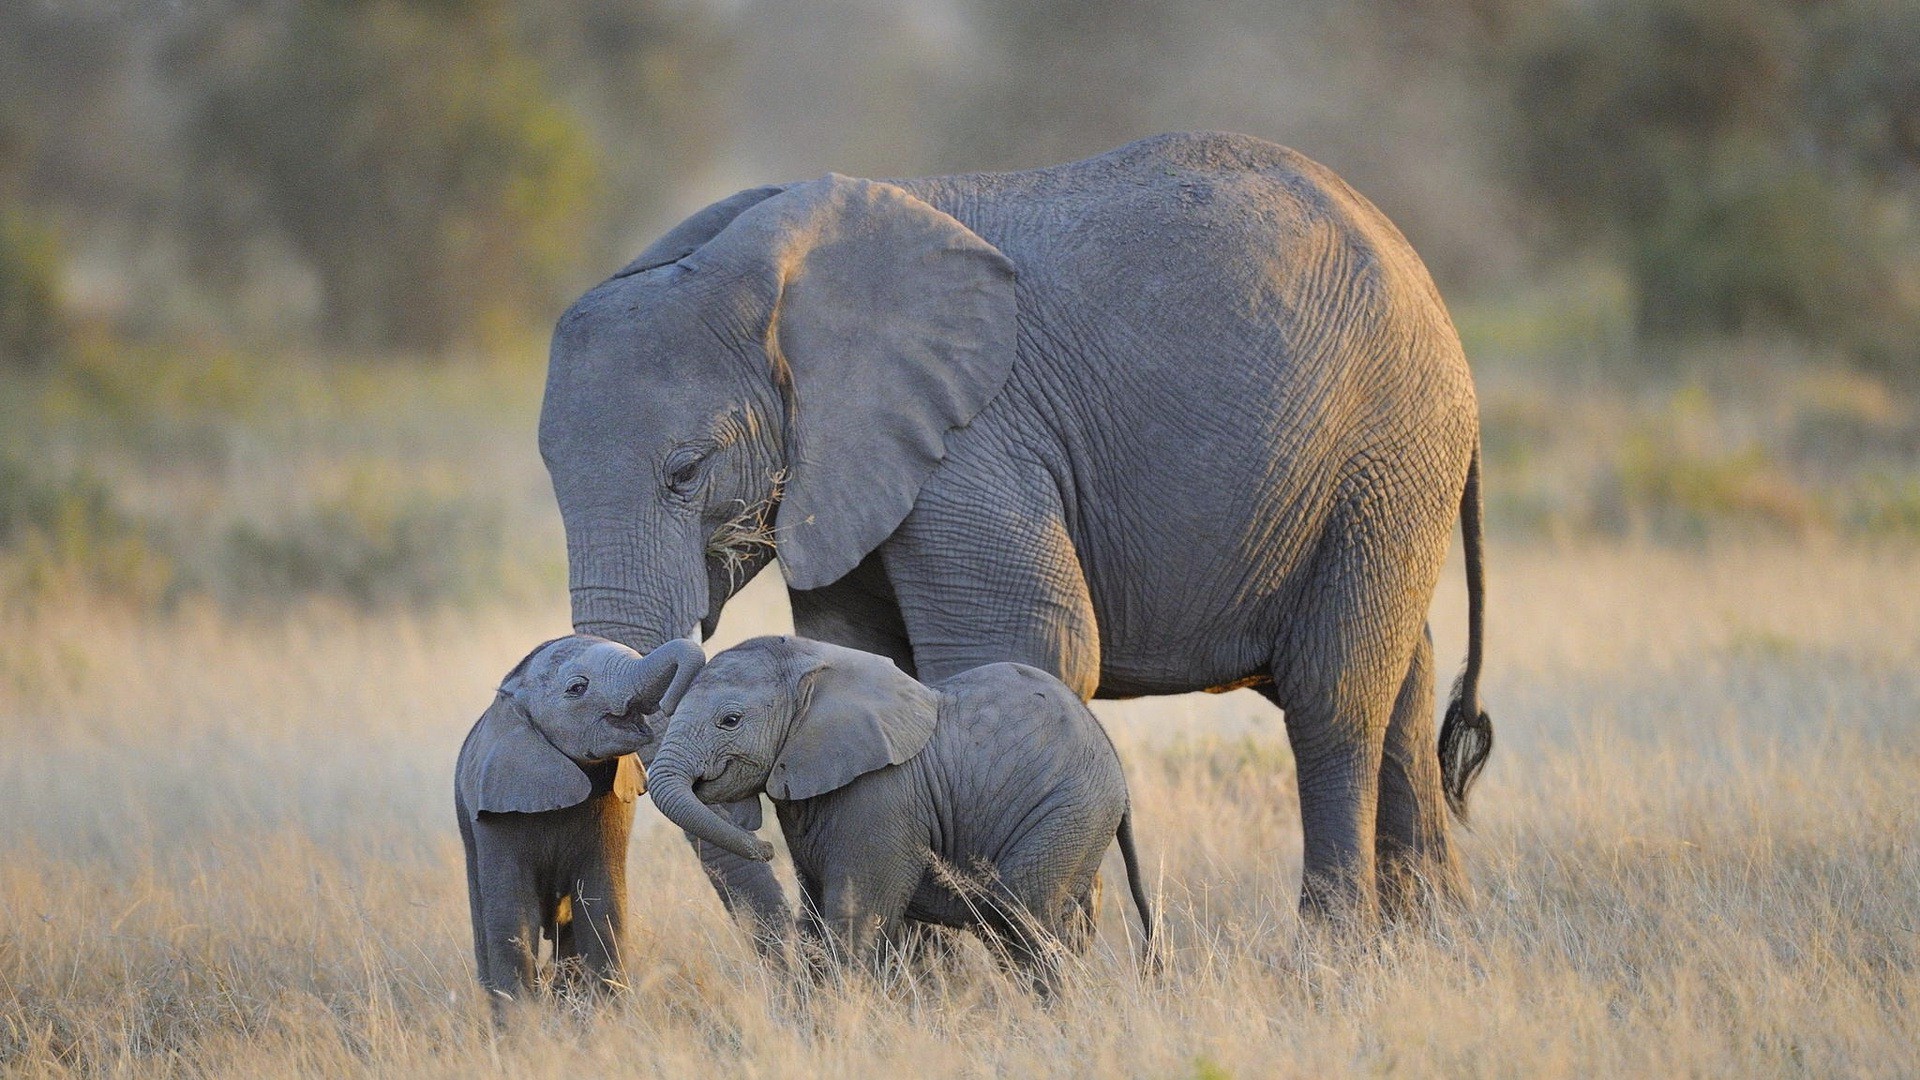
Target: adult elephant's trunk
column 630, row 585
column 671, row 786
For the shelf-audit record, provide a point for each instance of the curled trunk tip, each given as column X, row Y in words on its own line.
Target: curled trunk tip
column 673, row 793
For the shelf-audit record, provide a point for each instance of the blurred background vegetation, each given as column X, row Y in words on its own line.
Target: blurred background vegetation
column 275, row 275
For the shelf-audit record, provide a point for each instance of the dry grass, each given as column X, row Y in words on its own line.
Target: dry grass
column 226, row 836
column 228, row 849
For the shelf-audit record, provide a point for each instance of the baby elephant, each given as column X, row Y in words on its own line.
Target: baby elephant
column 544, row 790
column 984, row 802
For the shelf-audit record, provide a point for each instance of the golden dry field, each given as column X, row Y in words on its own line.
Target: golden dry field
column 226, row 830
column 276, row 284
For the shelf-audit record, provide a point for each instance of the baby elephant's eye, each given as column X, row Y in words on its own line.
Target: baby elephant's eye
column 576, row 687
column 729, row 721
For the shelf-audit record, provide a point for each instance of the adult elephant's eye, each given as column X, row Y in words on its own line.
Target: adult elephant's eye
column 683, row 469
column 728, row 721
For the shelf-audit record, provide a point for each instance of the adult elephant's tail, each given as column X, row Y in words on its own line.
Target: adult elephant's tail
column 1466, row 738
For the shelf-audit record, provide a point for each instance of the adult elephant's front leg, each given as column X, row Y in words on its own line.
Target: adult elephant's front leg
column 860, row 611
column 985, row 571
column 746, row 887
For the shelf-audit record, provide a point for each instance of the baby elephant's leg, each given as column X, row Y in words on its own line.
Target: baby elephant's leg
column 1045, row 893
column 813, row 941
column 860, row 923
column 599, row 925
column 933, row 949
column 510, row 929
column 863, row 902
column 1082, row 918
column 1022, row 948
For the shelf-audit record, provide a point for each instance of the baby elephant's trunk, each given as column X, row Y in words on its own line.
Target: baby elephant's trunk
column 672, row 790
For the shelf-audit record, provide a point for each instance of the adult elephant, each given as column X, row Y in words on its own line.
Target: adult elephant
column 1189, row 415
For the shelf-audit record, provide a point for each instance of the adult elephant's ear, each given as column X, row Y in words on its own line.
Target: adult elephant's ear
column 508, row 767
column 687, row 237
column 891, row 326
column 854, row 712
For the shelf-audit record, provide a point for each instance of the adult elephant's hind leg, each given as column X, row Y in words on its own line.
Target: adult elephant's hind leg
column 1337, row 765
column 1416, row 860
column 1337, row 674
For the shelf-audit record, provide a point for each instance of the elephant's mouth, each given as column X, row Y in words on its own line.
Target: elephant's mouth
column 634, row 719
column 715, row 779
column 634, row 733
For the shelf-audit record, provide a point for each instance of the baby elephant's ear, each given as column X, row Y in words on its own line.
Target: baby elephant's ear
column 855, row 713
column 507, row 767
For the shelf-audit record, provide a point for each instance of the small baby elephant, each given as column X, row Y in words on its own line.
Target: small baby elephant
column 544, row 790
column 984, row 802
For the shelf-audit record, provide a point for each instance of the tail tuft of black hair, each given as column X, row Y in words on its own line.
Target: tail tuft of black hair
column 1466, row 738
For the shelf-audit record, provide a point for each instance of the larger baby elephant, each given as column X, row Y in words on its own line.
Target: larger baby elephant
column 984, row 802
column 544, row 790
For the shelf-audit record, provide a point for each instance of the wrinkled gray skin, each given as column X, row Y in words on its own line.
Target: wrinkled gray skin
column 1186, row 416
column 544, row 791
column 999, row 775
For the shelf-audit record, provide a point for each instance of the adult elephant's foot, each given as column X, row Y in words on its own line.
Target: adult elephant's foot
column 1339, row 901
column 1412, row 887
column 747, row 887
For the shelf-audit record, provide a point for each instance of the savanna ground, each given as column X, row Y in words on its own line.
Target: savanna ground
column 252, row 608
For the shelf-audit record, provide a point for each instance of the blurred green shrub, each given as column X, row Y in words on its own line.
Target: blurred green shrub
column 261, row 481
column 1885, row 505
column 417, row 159
column 1672, row 491
column 374, row 544
column 1752, row 161
column 1741, row 447
column 61, row 534
column 379, row 173
column 31, row 322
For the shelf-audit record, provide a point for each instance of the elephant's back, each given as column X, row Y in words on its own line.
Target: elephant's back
column 1218, row 337
column 1218, row 210
column 1012, row 701
column 1175, row 283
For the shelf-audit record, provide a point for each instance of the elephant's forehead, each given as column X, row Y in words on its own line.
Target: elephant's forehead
column 648, row 320
column 737, row 670
column 564, row 652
